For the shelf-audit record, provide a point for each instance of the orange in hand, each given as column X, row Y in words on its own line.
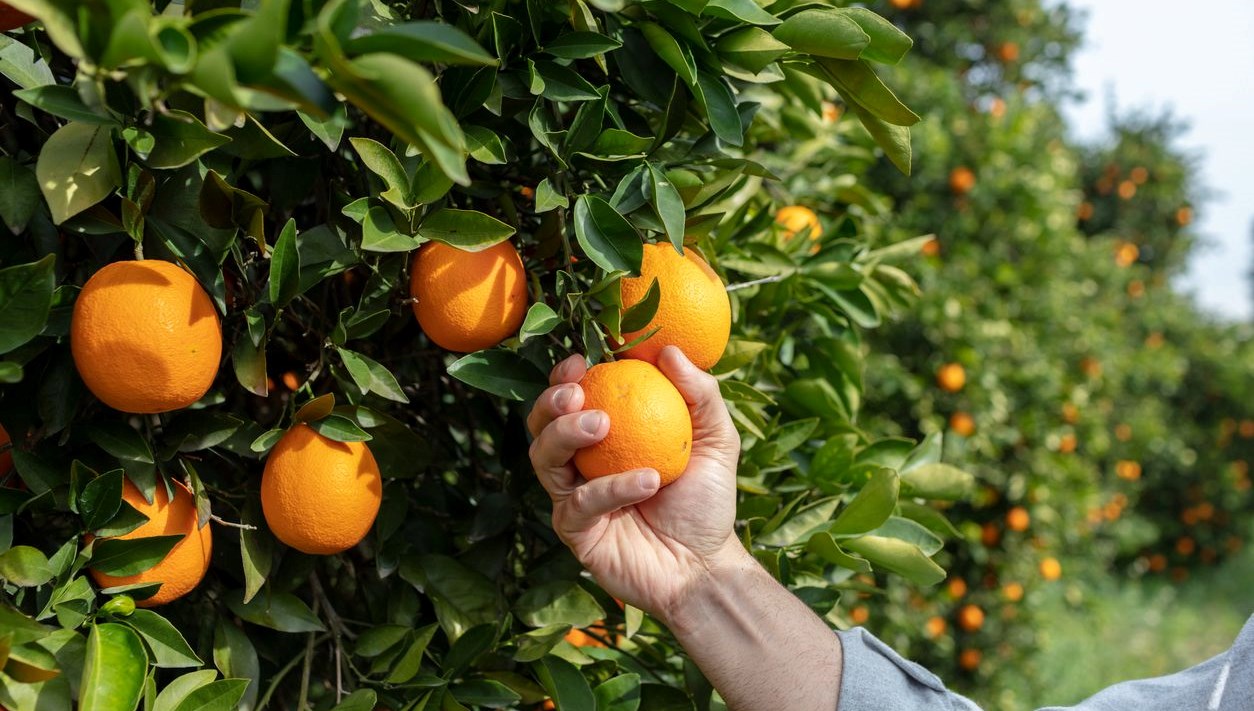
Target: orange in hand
column 650, row 426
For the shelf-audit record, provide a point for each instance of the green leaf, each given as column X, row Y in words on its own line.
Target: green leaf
column 383, row 162
column 676, row 55
column 63, row 102
column 114, row 669
column 871, row 507
column 937, row 481
column 411, row 661
column 340, row 429
column 640, row 314
column 752, row 47
column 178, row 689
column 169, row 649
column 668, row 205
column 424, row 42
column 371, row 376
column 858, row 83
column 911, row 532
column 888, row 43
column 547, row 198
column 743, row 10
column 501, row 373
column 235, row 656
column 565, row 683
column 608, row 239
column 801, row 524
column 248, row 356
column 719, row 105
column 315, row 409
column 561, row 83
column 121, row 440
column 220, row 695
column 556, row 603
column 893, row 139
column 25, row 298
column 899, row 557
column 622, row 693
column 284, row 282
column 377, row 640
column 117, row 557
column 541, row 319
column 101, row 499
column 581, row 45
column 278, row 611
column 824, row 32
column 180, row 139
column 463, row 598
column 486, row 693
column 379, row 233
column 360, row 700
column 467, row 230
column 469, row 647
column 25, row 567
column 19, row 194
column 486, row 146
column 256, row 547
column 823, row 545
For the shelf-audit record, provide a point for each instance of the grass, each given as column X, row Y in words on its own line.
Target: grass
column 1131, row 630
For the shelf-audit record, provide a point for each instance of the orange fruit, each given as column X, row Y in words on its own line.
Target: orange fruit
column 1184, row 216
column 291, row 380
column 962, row 424
column 1090, row 366
column 796, row 219
column 1185, row 546
column 1126, row 254
column 1070, row 413
column 1067, row 444
column 1050, row 568
column 961, row 180
column 990, row 534
column 931, row 248
column 1136, row 288
column 145, row 337
column 649, row 421
column 831, row 113
column 1127, row 190
column 1123, row 432
column 970, row 618
column 957, row 588
column 579, row 638
column 859, row 615
column 11, row 19
column 935, row 626
column 1128, row 469
column 1012, row 592
column 184, row 566
column 468, row 301
column 1008, row 52
column 6, row 456
column 1017, row 519
column 1157, row 563
column 1139, row 175
column 969, row 659
column 951, row 377
column 693, row 310
column 320, row 496
column 997, row 108
column 1085, row 211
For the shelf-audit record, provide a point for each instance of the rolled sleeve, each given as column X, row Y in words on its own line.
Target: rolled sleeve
column 876, row 678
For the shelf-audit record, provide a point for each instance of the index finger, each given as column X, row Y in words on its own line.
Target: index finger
column 561, row 398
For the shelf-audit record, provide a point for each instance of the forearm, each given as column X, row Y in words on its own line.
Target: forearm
column 756, row 642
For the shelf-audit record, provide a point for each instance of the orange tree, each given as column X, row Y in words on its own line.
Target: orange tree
column 353, row 501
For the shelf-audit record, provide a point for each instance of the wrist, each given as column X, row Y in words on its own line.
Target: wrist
column 710, row 587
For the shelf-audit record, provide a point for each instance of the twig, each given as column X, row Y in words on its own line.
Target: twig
column 218, row 520
column 333, row 617
column 756, row 282
column 303, row 701
column 278, row 677
column 339, row 672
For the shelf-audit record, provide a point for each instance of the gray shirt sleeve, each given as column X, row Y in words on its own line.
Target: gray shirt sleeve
column 876, row 678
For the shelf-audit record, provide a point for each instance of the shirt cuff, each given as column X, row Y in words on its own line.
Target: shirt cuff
column 876, row 678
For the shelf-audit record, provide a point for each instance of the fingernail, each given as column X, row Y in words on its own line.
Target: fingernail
column 590, row 422
column 648, row 481
column 562, row 397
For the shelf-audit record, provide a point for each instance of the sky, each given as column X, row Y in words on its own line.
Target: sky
column 1197, row 59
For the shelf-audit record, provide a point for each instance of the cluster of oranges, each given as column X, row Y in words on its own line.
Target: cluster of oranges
column 147, row 339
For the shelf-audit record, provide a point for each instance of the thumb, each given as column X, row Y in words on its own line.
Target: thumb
column 712, row 426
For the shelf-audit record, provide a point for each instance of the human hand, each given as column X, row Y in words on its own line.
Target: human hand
column 645, row 546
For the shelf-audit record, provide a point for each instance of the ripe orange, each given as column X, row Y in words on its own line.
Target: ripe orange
column 1085, row 211
column 1123, row 432
column 1067, row 444
column 931, row 248
column 1127, row 190
column 184, row 566
column 649, row 421
column 1090, row 366
column 969, row 659
column 997, row 108
column 1050, row 568
column 1157, row 563
column 1012, row 592
column 693, row 311
column 990, row 535
column 1126, row 254
column 961, row 180
column 935, row 626
column 145, row 337
column 291, row 380
column 957, row 588
column 951, row 377
column 1185, row 546
column 796, row 219
column 320, row 496
column 970, row 618
column 1008, row 52
column 859, row 615
column 1070, row 413
column 1184, row 216
column 1139, row 175
column 1128, row 469
column 831, row 112
column 579, row 638
column 962, row 424
column 468, row 301
column 1017, row 519
column 11, row 19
